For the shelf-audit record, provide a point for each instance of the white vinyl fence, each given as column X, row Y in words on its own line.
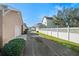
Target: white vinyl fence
column 71, row 34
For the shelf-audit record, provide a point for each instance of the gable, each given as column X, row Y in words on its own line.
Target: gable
column 44, row 21
column 15, row 14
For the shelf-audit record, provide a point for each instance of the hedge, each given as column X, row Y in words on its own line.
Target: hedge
column 14, row 47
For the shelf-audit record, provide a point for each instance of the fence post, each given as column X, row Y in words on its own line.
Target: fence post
column 68, row 33
column 47, row 31
column 51, row 31
column 57, row 31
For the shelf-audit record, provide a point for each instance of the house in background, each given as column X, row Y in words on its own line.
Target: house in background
column 25, row 29
column 39, row 26
column 33, row 28
column 11, row 24
column 48, row 22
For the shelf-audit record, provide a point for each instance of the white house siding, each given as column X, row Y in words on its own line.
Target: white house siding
column 48, row 23
column 44, row 22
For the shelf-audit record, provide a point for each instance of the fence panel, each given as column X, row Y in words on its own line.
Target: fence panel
column 71, row 34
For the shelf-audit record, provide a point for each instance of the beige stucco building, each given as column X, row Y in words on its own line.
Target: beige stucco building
column 11, row 24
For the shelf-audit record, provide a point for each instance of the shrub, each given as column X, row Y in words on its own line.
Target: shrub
column 14, row 47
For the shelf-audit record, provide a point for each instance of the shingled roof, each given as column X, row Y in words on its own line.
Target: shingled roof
column 50, row 18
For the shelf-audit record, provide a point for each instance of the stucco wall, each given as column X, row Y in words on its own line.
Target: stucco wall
column 10, row 21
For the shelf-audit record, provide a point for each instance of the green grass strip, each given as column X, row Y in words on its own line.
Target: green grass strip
column 66, row 43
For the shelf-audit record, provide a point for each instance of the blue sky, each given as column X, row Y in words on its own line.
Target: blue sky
column 32, row 13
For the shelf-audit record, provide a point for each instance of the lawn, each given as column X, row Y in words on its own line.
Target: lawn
column 66, row 43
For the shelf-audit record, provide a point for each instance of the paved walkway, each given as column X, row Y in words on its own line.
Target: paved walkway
column 38, row 46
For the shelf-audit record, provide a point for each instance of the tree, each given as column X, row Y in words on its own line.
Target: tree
column 57, row 21
column 70, row 16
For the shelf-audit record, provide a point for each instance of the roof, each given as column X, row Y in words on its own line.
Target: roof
column 25, row 25
column 40, row 25
column 7, row 8
column 50, row 18
column 2, row 6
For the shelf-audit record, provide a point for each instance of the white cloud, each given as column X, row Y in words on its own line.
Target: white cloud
column 58, row 7
column 53, row 11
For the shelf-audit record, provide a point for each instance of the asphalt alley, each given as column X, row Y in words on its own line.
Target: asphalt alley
column 38, row 46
